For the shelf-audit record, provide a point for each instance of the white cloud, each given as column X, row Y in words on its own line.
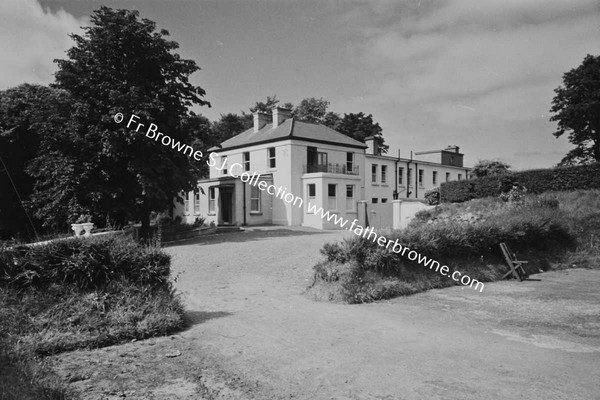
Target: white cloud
column 30, row 39
column 477, row 69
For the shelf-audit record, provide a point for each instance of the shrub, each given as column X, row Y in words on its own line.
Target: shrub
column 582, row 177
column 433, row 196
column 86, row 263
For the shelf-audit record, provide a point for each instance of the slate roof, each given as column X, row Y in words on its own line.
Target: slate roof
column 290, row 129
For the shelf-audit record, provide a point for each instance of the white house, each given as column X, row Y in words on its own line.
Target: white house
column 304, row 164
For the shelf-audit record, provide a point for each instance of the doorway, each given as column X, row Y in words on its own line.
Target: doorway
column 226, row 204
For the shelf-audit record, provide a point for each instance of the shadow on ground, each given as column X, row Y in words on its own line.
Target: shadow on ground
column 249, row 235
column 198, row 317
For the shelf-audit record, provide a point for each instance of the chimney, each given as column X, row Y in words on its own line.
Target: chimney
column 372, row 143
column 452, row 149
column 260, row 120
column 280, row 114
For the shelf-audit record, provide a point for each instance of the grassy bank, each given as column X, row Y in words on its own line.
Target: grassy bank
column 74, row 294
column 552, row 230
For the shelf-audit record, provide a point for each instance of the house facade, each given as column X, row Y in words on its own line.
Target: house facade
column 293, row 168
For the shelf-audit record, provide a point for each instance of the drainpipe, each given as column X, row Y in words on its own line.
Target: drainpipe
column 416, row 180
column 396, row 194
column 244, row 196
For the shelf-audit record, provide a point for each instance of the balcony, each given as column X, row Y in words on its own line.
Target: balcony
column 330, row 169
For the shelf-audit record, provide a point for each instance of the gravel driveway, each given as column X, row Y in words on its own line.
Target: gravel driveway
column 255, row 335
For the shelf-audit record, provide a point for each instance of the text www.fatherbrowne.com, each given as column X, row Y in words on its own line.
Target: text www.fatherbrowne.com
column 281, row 192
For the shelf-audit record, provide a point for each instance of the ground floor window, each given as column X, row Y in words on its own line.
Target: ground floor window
column 186, row 202
column 211, row 200
column 197, row 201
column 350, row 197
column 332, row 196
column 254, row 199
column 374, row 200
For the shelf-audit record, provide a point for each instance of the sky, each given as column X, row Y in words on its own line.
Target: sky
column 479, row 74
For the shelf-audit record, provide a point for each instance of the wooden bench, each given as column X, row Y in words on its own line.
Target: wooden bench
column 516, row 266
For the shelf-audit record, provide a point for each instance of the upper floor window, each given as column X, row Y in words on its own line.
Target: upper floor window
column 271, row 156
column 447, row 176
column 384, row 174
column 434, row 177
column 224, row 166
column 322, row 158
column 349, row 161
column 374, row 173
column 384, row 200
column 421, row 172
column 400, row 176
column 197, row 201
column 374, row 200
column 211, row 200
column 246, row 161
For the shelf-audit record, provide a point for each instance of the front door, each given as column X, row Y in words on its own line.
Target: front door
column 226, row 204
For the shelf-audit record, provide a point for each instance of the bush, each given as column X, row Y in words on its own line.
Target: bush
column 464, row 237
column 433, row 196
column 86, row 263
column 582, row 177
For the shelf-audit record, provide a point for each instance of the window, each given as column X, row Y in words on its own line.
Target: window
column 459, row 177
column 452, row 161
column 322, row 158
column 211, row 200
column 400, row 176
column 197, row 201
column 331, row 195
column 421, row 172
column 374, row 200
column 246, row 161
column 434, row 177
column 186, row 202
column 384, row 174
column 271, row 154
column 408, row 176
column 254, row 199
column 312, row 190
column 374, row 173
column 224, row 170
column 384, row 200
column 350, row 197
column 349, row 162
column 447, row 176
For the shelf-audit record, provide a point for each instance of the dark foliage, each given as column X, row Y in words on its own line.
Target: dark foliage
column 537, row 181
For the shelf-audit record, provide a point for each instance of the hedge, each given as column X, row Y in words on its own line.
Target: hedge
column 536, row 181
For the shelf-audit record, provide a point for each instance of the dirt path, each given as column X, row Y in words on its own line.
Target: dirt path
column 256, row 336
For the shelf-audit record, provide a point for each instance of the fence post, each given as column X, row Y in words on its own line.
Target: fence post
column 396, row 214
column 363, row 218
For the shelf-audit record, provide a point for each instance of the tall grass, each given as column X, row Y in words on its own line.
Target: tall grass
column 553, row 229
column 80, row 293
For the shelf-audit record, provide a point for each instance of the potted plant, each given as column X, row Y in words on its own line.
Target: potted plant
column 86, row 223
column 77, row 228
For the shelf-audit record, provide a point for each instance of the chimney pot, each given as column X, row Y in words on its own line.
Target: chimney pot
column 260, row 120
column 280, row 114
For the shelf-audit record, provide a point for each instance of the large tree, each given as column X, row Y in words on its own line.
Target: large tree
column 122, row 64
column 27, row 113
column 360, row 126
column 577, row 111
column 489, row 168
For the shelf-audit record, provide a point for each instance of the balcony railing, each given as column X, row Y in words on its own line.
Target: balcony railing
column 330, row 168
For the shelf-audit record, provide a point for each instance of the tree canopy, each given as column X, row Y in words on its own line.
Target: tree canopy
column 577, row 111
column 122, row 64
column 489, row 168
